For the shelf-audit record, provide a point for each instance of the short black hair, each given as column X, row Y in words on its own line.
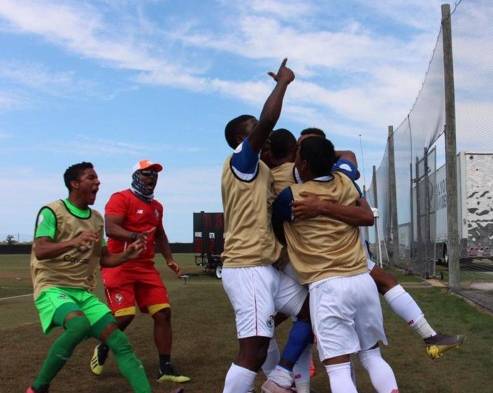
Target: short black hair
column 282, row 143
column 74, row 171
column 235, row 126
column 313, row 131
column 320, row 155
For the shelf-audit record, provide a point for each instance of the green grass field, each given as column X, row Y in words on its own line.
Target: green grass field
column 205, row 344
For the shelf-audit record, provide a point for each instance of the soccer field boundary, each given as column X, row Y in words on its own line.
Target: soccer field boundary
column 15, row 297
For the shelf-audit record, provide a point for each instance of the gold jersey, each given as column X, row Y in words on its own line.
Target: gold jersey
column 74, row 268
column 283, row 176
column 322, row 247
column 248, row 236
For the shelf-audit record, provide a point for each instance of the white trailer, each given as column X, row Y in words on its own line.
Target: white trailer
column 475, row 201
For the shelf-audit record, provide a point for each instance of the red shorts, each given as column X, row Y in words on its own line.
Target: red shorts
column 136, row 283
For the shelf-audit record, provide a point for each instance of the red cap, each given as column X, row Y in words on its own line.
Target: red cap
column 146, row 164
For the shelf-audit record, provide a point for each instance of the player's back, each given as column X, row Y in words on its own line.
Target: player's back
column 248, row 236
column 322, row 247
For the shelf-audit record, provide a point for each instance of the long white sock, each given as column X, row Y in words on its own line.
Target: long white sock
column 272, row 359
column 301, row 370
column 381, row 375
column 340, row 378
column 282, row 377
column 401, row 302
column 238, row 379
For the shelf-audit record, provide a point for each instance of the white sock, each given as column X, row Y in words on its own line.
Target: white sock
column 404, row 306
column 301, row 370
column 238, row 379
column 381, row 375
column 340, row 378
column 282, row 377
column 272, row 359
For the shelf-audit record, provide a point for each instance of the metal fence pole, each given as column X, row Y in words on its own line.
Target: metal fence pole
column 378, row 249
column 427, row 211
column 453, row 246
column 412, row 240
column 365, row 229
column 394, row 225
column 419, row 240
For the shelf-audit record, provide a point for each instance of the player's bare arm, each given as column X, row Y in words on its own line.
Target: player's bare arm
column 46, row 248
column 164, row 248
column 347, row 155
column 114, row 229
column 131, row 252
column 272, row 107
column 359, row 214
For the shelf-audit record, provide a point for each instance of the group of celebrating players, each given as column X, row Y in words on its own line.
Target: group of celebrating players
column 292, row 213
column 303, row 195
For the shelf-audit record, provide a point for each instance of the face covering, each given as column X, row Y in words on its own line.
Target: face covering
column 141, row 189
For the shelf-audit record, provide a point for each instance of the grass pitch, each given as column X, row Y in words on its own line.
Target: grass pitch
column 205, row 344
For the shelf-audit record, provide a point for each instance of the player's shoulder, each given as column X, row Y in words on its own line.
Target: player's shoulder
column 157, row 205
column 97, row 215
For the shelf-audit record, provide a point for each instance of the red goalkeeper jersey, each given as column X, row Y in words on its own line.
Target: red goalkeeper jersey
column 139, row 216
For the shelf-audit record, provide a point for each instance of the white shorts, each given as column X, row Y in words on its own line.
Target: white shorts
column 370, row 264
column 346, row 315
column 257, row 294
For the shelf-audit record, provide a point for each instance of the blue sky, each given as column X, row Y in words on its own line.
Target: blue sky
column 115, row 81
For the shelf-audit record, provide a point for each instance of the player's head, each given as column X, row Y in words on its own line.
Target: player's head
column 309, row 132
column 315, row 157
column 144, row 178
column 238, row 129
column 282, row 147
column 82, row 182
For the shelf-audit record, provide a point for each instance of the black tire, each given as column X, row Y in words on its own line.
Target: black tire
column 219, row 272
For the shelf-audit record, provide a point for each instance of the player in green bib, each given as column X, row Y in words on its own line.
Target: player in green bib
column 67, row 249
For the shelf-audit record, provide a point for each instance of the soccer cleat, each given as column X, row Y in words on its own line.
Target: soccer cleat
column 98, row 358
column 171, row 375
column 270, row 386
column 30, row 389
column 438, row 344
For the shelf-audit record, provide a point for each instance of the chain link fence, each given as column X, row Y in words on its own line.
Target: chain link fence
column 421, row 227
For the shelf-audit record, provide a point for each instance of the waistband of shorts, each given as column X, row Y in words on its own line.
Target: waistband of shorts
column 315, row 284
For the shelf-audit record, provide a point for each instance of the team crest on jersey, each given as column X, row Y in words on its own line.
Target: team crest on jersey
column 270, row 322
column 119, row 298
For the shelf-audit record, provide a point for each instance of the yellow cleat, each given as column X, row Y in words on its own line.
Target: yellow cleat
column 97, row 360
column 437, row 345
column 171, row 375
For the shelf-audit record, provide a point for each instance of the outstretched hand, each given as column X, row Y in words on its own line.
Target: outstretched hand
column 84, row 240
column 284, row 74
column 134, row 249
column 174, row 266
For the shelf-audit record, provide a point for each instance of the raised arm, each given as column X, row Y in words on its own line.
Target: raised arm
column 272, row 107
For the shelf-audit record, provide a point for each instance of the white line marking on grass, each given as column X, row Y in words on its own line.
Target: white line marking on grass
column 15, row 297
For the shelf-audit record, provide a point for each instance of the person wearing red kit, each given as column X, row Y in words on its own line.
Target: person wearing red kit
column 132, row 214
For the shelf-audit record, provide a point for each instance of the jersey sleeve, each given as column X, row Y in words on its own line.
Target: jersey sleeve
column 116, row 206
column 45, row 224
column 244, row 162
column 282, row 207
column 346, row 167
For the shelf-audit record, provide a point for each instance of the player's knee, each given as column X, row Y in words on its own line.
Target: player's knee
column 162, row 316
column 124, row 321
column 384, row 280
column 77, row 327
column 253, row 356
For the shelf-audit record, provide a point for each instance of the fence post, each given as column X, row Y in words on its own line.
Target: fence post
column 378, row 249
column 453, row 246
column 419, row 208
column 427, row 211
column 394, row 225
column 412, row 246
column 365, row 229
